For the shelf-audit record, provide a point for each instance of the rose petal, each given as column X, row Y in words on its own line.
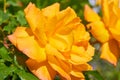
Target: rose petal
column 36, row 21
column 77, row 74
column 82, row 67
column 64, row 17
column 66, row 29
column 77, row 70
column 90, row 50
column 54, row 52
column 51, row 11
column 67, row 15
column 42, row 70
column 26, row 43
column 90, row 15
column 76, row 78
column 58, row 67
column 99, row 31
column 63, row 22
column 105, row 11
column 115, row 30
column 113, row 13
column 110, row 51
column 31, row 48
column 62, row 42
column 81, row 37
column 77, row 57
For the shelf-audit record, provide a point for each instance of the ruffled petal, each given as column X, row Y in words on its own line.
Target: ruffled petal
column 57, row 66
column 77, row 57
column 81, row 37
column 90, row 15
column 115, row 30
column 76, row 78
column 36, row 21
column 99, row 31
column 64, row 17
column 51, row 11
column 116, row 8
column 54, row 52
column 76, row 71
column 50, row 26
column 27, row 44
column 112, row 13
column 42, row 70
column 110, row 51
column 77, row 74
column 67, row 15
column 64, row 22
column 32, row 14
column 82, row 67
column 62, row 42
column 90, row 50
column 66, row 29
column 20, row 32
column 105, row 11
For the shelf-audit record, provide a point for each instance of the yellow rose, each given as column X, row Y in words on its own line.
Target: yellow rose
column 56, row 43
column 106, row 29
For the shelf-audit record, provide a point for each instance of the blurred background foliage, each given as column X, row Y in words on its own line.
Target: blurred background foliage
column 12, row 66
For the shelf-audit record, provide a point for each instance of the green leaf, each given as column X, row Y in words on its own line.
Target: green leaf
column 119, row 76
column 15, row 77
column 5, row 71
column 12, row 2
column 1, row 35
column 4, row 54
column 11, row 25
column 90, row 75
column 2, row 60
column 21, row 18
column 16, row 63
column 25, row 75
column 3, row 17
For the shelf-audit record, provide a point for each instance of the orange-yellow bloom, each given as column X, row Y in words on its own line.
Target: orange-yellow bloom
column 56, row 43
column 106, row 29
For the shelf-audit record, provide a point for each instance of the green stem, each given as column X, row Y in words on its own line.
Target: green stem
column 4, row 7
